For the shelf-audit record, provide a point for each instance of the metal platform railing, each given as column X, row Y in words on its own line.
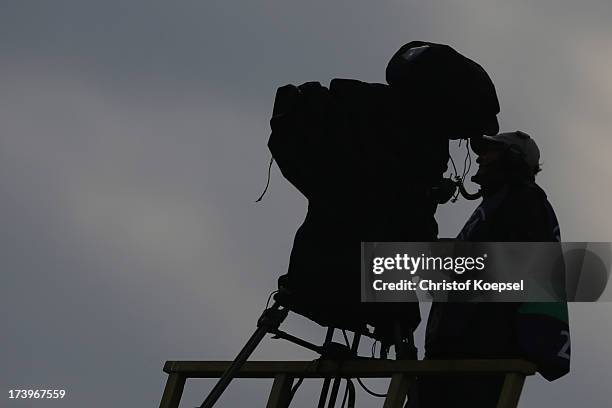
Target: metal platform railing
column 401, row 372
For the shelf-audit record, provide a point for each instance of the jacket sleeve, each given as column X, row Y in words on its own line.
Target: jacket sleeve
column 542, row 328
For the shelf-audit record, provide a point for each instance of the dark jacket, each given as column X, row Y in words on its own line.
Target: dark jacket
column 517, row 212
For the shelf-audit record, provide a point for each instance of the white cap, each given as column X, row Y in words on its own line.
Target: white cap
column 519, row 142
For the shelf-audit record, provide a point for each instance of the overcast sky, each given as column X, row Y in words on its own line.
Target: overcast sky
column 133, row 144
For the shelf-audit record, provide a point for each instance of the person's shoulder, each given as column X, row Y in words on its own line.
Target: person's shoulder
column 527, row 194
column 530, row 213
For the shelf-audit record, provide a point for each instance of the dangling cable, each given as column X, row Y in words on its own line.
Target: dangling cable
column 470, row 158
column 346, row 339
column 299, row 382
column 295, row 388
column 345, row 394
column 270, row 297
column 359, row 379
column 453, row 163
column 456, row 194
column 349, row 392
column 372, row 393
column 454, row 177
column 467, row 166
column 467, row 162
column 460, row 180
column 268, row 182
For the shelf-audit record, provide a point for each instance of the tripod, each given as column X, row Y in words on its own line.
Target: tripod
column 270, row 321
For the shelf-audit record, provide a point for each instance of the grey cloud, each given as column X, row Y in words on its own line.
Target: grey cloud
column 133, row 145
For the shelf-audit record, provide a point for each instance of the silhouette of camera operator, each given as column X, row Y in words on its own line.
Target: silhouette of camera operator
column 513, row 209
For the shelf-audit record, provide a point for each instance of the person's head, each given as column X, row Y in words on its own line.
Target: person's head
column 505, row 157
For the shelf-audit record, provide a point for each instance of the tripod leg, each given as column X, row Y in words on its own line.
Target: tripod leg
column 324, row 392
column 396, row 395
column 280, row 396
column 329, row 335
column 404, row 350
column 326, row 382
column 334, row 392
column 355, row 344
column 270, row 319
column 337, row 380
column 173, row 391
